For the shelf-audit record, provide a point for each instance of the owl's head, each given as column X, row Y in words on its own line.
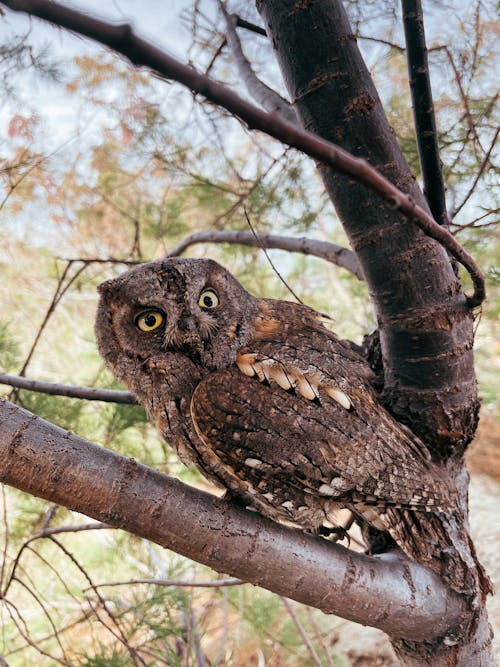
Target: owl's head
column 192, row 307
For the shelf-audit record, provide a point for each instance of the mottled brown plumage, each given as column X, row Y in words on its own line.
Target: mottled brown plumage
column 270, row 404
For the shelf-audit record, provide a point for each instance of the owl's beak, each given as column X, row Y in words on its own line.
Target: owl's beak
column 188, row 333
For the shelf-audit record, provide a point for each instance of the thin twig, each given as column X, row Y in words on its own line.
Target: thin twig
column 72, row 391
column 484, row 163
column 122, row 39
column 302, row 632
column 257, row 29
column 268, row 98
column 263, row 248
column 219, row 583
column 58, row 295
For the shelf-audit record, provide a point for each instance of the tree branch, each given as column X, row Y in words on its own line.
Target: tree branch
column 257, row 29
column 122, row 39
column 268, row 98
column 423, row 109
column 389, row 592
column 72, row 391
column 330, row 252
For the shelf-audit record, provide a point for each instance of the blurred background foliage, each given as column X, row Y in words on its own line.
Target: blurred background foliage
column 132, row 166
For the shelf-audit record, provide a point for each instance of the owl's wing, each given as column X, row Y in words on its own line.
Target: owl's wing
column 283, row 444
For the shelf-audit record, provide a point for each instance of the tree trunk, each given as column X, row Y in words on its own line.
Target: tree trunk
column 425, row 326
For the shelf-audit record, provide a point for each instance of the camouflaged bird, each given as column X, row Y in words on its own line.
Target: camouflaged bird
column 270, row 404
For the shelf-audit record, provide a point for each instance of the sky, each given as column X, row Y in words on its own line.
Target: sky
column 159, row 22
column 148, row 18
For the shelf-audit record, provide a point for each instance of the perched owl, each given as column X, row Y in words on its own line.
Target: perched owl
column 270, row 404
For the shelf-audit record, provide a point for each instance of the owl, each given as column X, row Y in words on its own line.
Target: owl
column 270, row 404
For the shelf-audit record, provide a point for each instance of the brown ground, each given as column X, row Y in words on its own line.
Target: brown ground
column 484, row 453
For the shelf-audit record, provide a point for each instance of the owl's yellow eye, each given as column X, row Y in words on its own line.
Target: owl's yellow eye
column 150, row 320
column 208, row 299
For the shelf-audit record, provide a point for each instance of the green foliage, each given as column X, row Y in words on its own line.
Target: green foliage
column 109, row 657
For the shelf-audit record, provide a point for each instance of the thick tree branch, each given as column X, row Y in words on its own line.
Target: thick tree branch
column 268, row 98
column 330, row 252
column 391, row 593
column 123, row 40
column 423, row 109
column 71, row 391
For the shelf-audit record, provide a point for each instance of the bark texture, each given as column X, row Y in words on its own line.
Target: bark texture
column 425, row 325
column 390, row 592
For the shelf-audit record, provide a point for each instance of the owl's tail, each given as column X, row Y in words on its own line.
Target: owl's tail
column 441, row 542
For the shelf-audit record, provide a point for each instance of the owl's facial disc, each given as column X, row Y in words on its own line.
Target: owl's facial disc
column 195, row 324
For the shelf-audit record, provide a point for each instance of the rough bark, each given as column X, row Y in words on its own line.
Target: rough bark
column 425, row 326
column 390, row 592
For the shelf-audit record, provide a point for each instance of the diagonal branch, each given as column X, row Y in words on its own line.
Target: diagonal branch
column 330, row 252
column 46, row 461
column 122, row 39
column 268, row 98
column 423, row 109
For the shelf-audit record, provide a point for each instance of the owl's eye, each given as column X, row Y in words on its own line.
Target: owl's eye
column 149, row 320
column 208, row 299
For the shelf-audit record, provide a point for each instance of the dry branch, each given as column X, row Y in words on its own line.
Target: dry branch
column 268, row 98
column 389, row 592
column 122, row 39
column 71, row 391
column 330, row 252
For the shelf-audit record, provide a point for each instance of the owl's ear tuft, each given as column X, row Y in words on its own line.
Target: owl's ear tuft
column 104, row 288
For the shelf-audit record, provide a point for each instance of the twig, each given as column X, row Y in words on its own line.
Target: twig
column 263, row 248
column 219, row 50
column 330, row 252
column 423, row 109
column 472, row 223
column 119, row 634
column 484, row 163
column 25, row 634
column 45, row 613
column 58, row 295
column 318, row 635
column 72, row 391
column 262, row 93
column 302, row 632
column 122, row 39
column 241, row 23
column 219, row 583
